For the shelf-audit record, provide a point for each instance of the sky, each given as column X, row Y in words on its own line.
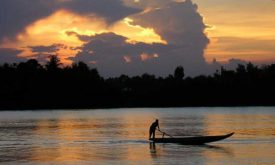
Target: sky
column 139, row 36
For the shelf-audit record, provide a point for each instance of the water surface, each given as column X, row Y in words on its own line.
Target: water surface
column 119, row 136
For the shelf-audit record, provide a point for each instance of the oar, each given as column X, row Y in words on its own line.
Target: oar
column 164, row 133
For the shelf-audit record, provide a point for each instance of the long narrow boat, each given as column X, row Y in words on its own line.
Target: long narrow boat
column 196, row 140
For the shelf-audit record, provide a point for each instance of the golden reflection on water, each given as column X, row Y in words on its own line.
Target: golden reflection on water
column 242, row 124
column 253, row 137
column 62, row 131
column 67, row 133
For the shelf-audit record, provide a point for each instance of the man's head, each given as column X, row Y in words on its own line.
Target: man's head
column 157, row 121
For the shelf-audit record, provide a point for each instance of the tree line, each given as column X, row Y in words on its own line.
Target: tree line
column 30, row 85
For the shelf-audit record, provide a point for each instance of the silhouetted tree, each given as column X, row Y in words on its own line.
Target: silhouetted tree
column 80, row 67
column 147, row 76
column 53, row 64
column 31, row 65
column 241, row 69
column 94, row 73
column 179, row 73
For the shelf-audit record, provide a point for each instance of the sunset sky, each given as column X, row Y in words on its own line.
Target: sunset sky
column 138, row 36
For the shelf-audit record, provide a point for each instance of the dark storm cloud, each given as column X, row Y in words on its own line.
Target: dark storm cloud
column 47, row 49
column 15, row 15
column 112, row 47
column 83, row 38
column 8, row 55
column 111, row 10
column 113, row 55
column 179, row 23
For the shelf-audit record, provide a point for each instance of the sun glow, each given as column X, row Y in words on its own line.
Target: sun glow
column 137, row 33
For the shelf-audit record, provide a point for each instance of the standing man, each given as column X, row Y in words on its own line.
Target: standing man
column 153, row 129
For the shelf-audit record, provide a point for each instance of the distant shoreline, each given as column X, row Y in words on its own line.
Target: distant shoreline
column 30, row 85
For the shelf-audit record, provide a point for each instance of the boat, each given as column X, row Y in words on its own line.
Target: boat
column 193, row 140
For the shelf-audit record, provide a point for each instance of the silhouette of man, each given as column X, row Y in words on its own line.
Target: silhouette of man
column 153, row 129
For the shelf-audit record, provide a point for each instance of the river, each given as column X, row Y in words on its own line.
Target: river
column 119, row 136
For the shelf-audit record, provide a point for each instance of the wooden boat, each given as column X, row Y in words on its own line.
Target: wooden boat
column 195, row 140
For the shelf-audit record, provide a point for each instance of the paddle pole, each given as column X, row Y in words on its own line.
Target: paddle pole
column 164, row 133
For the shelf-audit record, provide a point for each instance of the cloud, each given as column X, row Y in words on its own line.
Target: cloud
column 43, row 52
column 113, row 55
column 17, row 14
column 178, row 23
column 148, row 4
column 8, row 55
column 111, row 10
column 83, row 38
column 54, row 48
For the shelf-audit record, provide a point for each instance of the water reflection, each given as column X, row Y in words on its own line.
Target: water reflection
column 246, row 125
column 184, row 125
column 120, row 137
column 188, row 154
column 152, row 147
